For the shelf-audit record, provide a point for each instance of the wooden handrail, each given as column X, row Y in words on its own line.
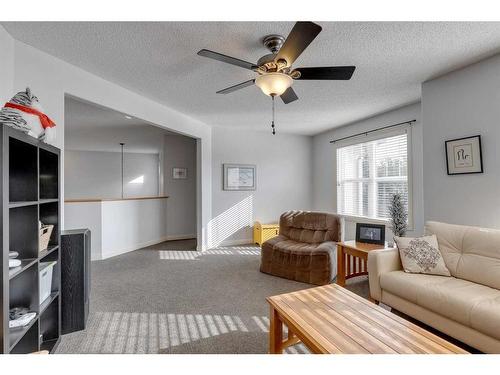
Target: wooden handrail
column 85, row 200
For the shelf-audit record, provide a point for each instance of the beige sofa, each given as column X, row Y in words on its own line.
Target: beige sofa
column 305, row 249
column 466, row 305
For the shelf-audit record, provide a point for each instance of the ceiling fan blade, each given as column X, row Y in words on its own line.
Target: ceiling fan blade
column 330, row 72
column 236, row 87
column 302, row 34
column 227, row 59
column 289, row 96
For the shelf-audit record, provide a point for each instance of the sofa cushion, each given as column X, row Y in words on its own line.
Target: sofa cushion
column 473, row 305
column 407, row 285
column 470, row 253
column 295, row 246
column 486, row 317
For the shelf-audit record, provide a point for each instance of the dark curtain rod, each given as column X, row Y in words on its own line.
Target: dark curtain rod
column 374, row 130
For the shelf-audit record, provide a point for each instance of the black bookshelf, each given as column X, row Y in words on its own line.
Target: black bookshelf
column 30, row 190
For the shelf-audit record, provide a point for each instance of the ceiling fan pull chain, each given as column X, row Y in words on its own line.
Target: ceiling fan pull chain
column 272, row 122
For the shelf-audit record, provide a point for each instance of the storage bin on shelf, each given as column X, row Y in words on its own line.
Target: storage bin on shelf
column 45, row 273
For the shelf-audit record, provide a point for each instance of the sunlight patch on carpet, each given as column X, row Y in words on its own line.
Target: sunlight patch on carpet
column 139, row 332
column 193, row 255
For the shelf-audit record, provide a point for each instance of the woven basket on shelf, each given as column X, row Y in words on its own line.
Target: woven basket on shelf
column 45, row 232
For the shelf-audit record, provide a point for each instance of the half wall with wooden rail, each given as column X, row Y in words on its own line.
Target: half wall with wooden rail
column 118, row 225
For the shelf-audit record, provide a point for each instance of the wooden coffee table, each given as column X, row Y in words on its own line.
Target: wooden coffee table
column 331, row 319
column 352, row 259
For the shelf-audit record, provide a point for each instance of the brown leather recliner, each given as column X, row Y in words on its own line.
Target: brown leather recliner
column 305, row 249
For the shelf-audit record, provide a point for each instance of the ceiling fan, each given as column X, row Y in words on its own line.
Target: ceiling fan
column 275, row 74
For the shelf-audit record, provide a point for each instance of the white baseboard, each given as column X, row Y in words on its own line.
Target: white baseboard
column 177, row 237
column 113, row 253
column 245, row 241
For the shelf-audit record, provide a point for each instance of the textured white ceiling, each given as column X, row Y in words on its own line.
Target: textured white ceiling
column 93, row 128
column 159, row 61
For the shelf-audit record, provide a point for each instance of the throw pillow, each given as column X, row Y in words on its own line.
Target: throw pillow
column 421, row 255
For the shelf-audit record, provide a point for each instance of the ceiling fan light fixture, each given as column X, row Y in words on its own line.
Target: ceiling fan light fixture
column 273, row 84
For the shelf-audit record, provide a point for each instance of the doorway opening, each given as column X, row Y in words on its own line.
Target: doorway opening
column 132, row 183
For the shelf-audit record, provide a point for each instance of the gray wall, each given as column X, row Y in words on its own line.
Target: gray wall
column 325, row 163
column 461, row 104
column 180, row 152
column 283, row 181
column 94, row 174
column 6, row 66
column 137, row 139
column 52, row 79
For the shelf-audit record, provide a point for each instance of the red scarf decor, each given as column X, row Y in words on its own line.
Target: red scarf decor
column 44, row 119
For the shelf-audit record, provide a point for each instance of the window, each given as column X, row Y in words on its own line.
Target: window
column 369, row 173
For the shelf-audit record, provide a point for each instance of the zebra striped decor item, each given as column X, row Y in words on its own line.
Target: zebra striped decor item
column 24, row 112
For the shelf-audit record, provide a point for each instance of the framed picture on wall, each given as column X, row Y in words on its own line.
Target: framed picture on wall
column 239, row 177
column 179, row 173
column 464, row 155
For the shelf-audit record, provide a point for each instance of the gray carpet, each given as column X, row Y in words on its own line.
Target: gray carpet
column 169, row 299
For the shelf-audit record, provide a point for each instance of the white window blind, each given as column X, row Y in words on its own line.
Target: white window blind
column 369, row 173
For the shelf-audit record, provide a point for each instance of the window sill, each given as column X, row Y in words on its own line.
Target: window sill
column 370, row 220
column 364, row 219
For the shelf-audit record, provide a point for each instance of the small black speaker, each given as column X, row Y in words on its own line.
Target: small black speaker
column 75, row 279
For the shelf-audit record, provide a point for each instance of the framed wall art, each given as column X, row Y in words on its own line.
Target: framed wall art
column 464, row 155
column 179, row 173
column 239, row 177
